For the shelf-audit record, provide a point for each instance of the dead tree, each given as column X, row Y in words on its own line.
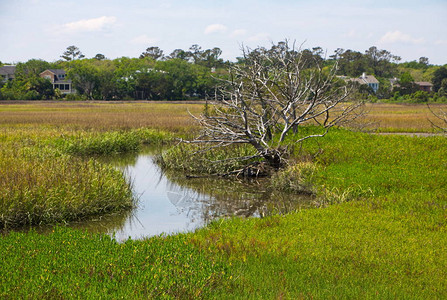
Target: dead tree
column 269, row 95
column 440, row 116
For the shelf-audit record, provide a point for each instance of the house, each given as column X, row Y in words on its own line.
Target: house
column 7, row 73
column 369, row 80
column 58, row 79
column 424, row 86
column 394, row 82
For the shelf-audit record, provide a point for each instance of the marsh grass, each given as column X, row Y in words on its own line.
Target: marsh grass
column 382, row 237
column 112, row 142
column 102, row 116
column 43, row 185
column 48, row 174
column 174, row 116
column 196, row 159
column 297, row 178
column 386, row 117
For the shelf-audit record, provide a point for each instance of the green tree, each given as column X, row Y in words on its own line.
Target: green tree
column 407, row 85
column 107, row 84
column 179, row 53
column 32, row 88
column 350, row 63
column 99, row 56
column 211, row 58
column 72, row 53
column 153, row 52
column 32, row 68
column 381, row 61
column 85, row 77
column 195, row 52
column 438, row 76
column 424, row 61
column 126, row 70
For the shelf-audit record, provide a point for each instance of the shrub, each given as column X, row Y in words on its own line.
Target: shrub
column 298, row 178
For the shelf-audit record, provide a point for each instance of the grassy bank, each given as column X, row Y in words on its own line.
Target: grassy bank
column 48, row 175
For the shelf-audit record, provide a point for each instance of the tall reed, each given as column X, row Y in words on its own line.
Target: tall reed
column 40, row 186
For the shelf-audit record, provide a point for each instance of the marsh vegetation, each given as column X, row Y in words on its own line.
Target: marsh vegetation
column 377, row 228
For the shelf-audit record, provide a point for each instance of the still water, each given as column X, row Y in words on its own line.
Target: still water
column 171, row 203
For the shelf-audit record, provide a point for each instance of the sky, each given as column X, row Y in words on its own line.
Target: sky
column 43, row 29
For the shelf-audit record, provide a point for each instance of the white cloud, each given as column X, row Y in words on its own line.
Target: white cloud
column 260, row 37
column 95, row 24
column 238, row 32
column 143, row 40
column 398, row 37
column 441, row 42
column 215, row 28
column 351, row 34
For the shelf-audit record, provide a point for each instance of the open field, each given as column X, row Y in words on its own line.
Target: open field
column 380, row 231
column 173, row 116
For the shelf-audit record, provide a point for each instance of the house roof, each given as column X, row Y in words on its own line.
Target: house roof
column 56, row 71
column 365, row 79
column 369, row 79
column 7, row 70
column 424, row 83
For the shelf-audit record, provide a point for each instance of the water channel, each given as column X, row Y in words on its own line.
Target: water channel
column 170, row 203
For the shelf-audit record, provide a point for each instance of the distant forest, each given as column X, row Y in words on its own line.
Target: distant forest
column 194, row 74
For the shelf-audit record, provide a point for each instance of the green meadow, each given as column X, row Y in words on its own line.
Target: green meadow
column 377, row 228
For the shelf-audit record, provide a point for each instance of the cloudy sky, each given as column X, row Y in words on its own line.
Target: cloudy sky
column 45, row 28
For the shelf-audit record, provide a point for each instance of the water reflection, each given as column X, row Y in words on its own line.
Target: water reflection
column 211, row 198
column 170, row 202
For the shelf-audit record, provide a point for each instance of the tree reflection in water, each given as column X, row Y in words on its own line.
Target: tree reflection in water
column 211, row 198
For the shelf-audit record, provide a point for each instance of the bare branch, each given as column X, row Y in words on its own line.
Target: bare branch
column 272, row 93
column 441, row 116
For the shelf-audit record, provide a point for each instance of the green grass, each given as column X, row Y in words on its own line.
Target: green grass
column 69, row 264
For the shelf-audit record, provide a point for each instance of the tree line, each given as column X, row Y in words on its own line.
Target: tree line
column 195, row 74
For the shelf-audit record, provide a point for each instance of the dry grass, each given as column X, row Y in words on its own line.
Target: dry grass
column 401, row 117
column 174, row 117
column 171, row 116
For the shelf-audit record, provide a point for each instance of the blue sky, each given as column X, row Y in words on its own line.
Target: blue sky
column 45, row 28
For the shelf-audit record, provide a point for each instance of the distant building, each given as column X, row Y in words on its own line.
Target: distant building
column 425, row 86
column 394, row 82
column 7, row 73
column 57, row 78
column 369, row 80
